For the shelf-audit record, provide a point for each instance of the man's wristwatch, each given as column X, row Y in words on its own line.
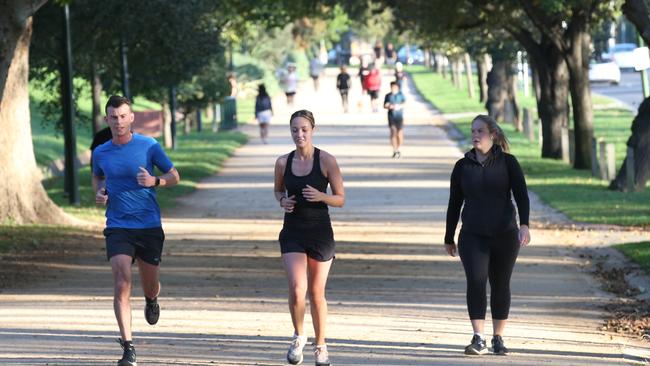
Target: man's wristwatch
column 157, row 182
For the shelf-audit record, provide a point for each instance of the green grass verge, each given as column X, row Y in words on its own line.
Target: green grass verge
column 26, row 237
column 198, row 155
column 573, row 192
column 637, row 252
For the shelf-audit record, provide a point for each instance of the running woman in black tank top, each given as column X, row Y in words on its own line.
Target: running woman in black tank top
column 306, row 239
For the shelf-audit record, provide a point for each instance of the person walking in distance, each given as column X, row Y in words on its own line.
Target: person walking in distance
column 290, row 83
column 394, row 102
column 315, row 69
column 343, row 84
column 123, row 181
column 489, row 240
column 306, row 240
column 263, row 111
column 373, row 84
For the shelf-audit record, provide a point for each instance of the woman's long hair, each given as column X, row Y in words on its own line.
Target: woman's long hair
column 261, row 92
column 494, row 128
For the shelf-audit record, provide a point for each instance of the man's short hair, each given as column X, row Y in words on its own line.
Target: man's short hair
column 116, row 101
column 394, row 83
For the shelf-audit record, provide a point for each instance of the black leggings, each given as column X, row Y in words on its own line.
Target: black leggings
column 493, row 258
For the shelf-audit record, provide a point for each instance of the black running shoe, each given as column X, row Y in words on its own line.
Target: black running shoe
column 152, row 311
column 477, row 347
column 498, row 347
column 128, row 357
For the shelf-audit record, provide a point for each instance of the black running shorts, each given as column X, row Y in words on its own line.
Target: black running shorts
column 315, row 239
column 145, row 244
column 398, row 123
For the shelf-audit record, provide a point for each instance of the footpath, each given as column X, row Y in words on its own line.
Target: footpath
column 395, row 297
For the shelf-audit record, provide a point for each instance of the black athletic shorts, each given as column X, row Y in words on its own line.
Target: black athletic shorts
column 146, row 244
column 316, row 239
column 398, row 123
column 374, row 94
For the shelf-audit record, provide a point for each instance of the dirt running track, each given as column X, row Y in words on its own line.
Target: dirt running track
column 395, row 297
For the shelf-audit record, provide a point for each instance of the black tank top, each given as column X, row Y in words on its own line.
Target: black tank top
column 305, row 210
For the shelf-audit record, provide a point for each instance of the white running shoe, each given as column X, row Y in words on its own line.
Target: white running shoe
column 321, row 355
column 294, row 355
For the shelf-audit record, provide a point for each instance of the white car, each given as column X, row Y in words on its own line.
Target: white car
column 622, row 54
column 604, row 71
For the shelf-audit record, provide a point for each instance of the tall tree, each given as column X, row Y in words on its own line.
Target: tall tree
column 637, row 12
column 23, row 198
column 568, row 24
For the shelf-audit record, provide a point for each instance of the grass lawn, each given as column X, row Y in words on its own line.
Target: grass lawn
column 637, row 252
column 574, row 192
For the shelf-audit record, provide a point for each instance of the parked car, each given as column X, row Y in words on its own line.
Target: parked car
column 410, row 55
column 604, row 71
column 622, row 54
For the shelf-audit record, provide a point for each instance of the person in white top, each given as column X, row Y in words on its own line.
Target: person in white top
column 290, row 83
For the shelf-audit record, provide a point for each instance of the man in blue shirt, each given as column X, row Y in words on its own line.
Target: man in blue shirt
column 394, row 102
column 123, row 181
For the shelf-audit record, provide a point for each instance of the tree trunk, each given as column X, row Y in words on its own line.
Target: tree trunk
column 482, row 70
column 457, row 71
column 552, row 90
column 578, row 63
column 97, row 118
column 468, row 72
column 497, row 81
column 23, row 198
column 640, row 142
column 167, row 124
column 454, row 74
column 512, row 104
column 189, row 121
column 444, row 66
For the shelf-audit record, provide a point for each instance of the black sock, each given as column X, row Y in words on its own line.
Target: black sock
column 151, row 301
column 127, row 344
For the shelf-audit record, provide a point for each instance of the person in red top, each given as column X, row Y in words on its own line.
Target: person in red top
column 373, row 84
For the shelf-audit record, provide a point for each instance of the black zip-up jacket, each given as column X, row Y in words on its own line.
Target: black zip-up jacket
column 485, row 191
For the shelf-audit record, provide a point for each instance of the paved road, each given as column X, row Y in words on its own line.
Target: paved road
column 395, row 297
column 629, row 90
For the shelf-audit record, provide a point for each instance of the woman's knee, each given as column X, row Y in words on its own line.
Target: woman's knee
column 297, row 290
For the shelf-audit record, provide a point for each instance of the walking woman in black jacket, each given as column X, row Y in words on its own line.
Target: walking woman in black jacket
column 489, row 239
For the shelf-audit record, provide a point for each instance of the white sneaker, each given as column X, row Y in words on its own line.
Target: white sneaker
column 321, row 355
column 294, row 355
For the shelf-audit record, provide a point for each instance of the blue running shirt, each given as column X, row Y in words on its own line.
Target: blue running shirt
column 397, row 98
column 130, row 205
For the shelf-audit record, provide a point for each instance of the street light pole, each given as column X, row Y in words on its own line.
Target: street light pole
column 71, row 181
column 644, row 73
column 124, row 50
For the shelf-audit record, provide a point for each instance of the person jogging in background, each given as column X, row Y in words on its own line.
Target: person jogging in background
column 306, row 240
column 124, row 182
column 394, row 103
column 399, row 74
column 263, row 111
column 489, row 239
column 373, row 84
column 290, row 83
column 343, row 84
column 315, row 69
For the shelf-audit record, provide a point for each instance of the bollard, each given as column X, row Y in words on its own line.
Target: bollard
column 565, row 145
column 602, row 159
column 595, row 167
column 629, row 170
column 529, row 129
